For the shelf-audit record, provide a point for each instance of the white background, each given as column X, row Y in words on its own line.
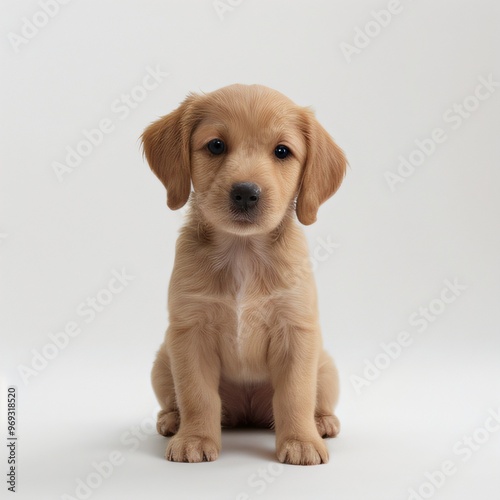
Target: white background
column 61, row 241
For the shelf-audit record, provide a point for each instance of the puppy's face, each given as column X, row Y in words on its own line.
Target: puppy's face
column 249, row 152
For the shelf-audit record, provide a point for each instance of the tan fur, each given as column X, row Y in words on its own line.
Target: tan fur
column 244, row 343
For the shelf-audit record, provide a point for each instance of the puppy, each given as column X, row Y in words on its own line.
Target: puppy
column 243, row 346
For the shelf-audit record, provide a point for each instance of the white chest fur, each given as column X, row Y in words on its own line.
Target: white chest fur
column 240, row 270
column 245, row 345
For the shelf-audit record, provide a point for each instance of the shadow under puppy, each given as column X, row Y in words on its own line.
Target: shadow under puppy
column 243, row 344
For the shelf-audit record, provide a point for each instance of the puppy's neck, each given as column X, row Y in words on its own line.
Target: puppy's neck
column 264, row 258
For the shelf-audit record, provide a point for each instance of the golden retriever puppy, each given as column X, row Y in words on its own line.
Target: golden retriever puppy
column 244, row 346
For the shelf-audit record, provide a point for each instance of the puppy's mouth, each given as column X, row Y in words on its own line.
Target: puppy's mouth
column 243, row 217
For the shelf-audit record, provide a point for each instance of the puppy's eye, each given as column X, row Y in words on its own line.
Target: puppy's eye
column 281, row 152
column 216, row 146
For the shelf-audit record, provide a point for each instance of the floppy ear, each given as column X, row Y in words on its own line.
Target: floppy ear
column 166, row 146
column 323, row 171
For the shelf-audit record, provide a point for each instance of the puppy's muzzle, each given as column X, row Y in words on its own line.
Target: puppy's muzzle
column 244, row 196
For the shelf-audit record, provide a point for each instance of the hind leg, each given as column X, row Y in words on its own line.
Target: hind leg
column 327, row 396
column 163, row 386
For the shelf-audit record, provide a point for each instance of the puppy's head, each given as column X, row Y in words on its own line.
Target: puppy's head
column 249, row 153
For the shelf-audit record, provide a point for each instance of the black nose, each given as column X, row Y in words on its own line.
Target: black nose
column 245, row 195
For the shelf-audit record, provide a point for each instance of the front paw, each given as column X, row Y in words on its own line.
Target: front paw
column 192, row 449
column 307, row 452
